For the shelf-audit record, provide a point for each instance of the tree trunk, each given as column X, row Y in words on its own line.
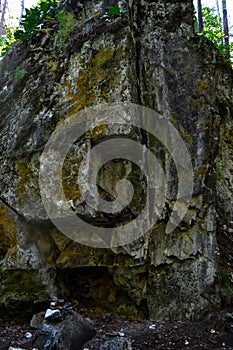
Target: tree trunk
column 225, row 27
column 22, row 11
column 218, row 11
column 219, row 16
column 2, row 20
column 199, row 16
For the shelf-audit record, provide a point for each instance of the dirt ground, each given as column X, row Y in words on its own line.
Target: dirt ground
column 215, row 332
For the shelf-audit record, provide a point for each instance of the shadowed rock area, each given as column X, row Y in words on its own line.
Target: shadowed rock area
column 146, row 54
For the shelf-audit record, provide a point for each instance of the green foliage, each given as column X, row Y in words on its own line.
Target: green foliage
column 212, row 26
column 114, row 12
column 6, row 41
column 212, row 30
column 224, row 274
column 219, row 172
column 34, row 19
column 226, row 288
column 66, row 24
column 18, row 75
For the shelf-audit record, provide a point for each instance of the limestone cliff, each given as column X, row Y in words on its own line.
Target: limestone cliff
column 147, row 54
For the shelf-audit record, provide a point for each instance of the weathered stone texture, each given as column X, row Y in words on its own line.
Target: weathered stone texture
column 150, row 57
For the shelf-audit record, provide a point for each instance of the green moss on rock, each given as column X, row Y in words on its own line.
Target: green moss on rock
column 18, row 286
column 7, row 231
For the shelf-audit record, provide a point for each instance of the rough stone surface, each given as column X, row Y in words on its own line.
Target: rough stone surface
column 149, row 57
column 224, row 168
column 117, row 343
column 70, row 333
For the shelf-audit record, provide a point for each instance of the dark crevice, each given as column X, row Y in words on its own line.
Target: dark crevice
column 93, row 286
column 5, row 204
column 136, row 35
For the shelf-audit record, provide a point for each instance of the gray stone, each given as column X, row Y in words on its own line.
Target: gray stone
column 71, row 333
column 37, row 320
column 117, row 343
column 152, row 58
column 53, row 315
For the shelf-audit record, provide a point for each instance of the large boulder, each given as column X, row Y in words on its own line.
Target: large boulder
column 142, row 52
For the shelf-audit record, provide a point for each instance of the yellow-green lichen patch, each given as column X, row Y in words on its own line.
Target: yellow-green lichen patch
column 27, row 178
column 70, row 174
column 21, row 286
column 71, row 166
column 216, row 124
column 51, row 66
column 98, row 131
column 193, row 104
column 24, row 176
column 7, row 231
column 186, row 137
column 102, row 57
column 202, row 86
column 227, row 137
column 169, row 69
column 200, row 172
column 96, row 78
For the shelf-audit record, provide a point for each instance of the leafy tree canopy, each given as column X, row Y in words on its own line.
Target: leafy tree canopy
column 30, row 23
column 35, row 17
column 212, row 30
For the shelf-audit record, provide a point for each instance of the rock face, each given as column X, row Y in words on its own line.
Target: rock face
column 145, row 53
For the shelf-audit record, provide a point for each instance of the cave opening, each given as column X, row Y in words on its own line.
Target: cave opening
column 93, row 287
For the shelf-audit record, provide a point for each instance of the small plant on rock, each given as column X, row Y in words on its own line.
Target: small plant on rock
column 18, row 75
column 6, row 41
column 34, row 19
column 114, row 12
column 66, row 24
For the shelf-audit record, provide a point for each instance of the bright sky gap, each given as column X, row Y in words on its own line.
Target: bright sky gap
column 14, row 8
